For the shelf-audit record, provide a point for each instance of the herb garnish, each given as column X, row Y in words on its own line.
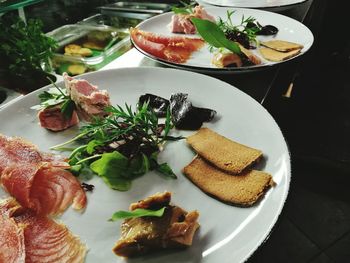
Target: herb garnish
column 55, row 96
column 139, row 212
column 186, row 9
column 122, row 146
column 213, row 35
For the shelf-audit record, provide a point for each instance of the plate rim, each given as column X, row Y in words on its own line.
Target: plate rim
column 272, row 7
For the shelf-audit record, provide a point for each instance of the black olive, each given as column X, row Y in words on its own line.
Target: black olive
column 268, row 30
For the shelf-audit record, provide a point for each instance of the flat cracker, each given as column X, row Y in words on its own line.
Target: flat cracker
column 276, row 56
column 242, row 190
column 281, row 45
column 222, row 152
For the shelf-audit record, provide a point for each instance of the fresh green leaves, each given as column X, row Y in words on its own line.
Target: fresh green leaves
column 55, row 96
column 213, row 35
column 122, row 146
column 24, row 46
column 137, row 213
column 186, row 9
column 117, row 171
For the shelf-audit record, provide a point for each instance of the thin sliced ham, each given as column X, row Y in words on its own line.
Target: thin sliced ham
column 43, row 188
column 49, row 242
column 174, row 49
column 27, row 238
column 181, row 23
column 90, row 101
column 12, row 248
column 15, row 150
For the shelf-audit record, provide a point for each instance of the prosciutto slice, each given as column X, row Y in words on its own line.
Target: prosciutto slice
column 27, row 238
column 176, row 49
column 15, row 150
column 43, row 188
column 12, row 248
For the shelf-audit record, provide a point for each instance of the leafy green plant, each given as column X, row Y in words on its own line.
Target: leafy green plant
column 24, row 46
column 121, row 146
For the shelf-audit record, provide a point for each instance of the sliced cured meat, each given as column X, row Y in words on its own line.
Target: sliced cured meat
column 27, row 237
column 181, row 23
column 15, row 150
column 54, row 189
column 49, row 242
column 12, row 248
column 45, row 189
column 52, row 119
column 174, row 49
column 89, row 99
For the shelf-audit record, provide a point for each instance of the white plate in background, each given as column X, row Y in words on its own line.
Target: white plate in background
column 289, row 30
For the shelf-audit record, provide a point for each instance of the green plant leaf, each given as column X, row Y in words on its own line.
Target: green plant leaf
column 137, row 213
column 213, row 35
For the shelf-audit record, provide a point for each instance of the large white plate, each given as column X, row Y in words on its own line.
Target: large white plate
column 264, row 4
column 289, row 30
column 227, row 233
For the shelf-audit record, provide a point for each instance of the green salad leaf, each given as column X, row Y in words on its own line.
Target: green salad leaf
column 213, row 35
column 139, row 212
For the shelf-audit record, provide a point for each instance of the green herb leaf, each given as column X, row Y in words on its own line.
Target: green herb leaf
column 166, row 170
column 213, row 35
column 180, row 10
column 137, row 213
column 67, row 108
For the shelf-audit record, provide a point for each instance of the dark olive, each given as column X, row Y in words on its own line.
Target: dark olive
column 268, row 30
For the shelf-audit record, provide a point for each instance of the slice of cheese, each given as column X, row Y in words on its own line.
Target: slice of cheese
column 277, row 56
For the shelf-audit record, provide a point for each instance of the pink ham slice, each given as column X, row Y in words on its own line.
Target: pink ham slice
column 43, row 188
column 89, row 99
column 27, row 238
column 12, row 248
column 181, row 23
column 53, row 119
column 15, row 150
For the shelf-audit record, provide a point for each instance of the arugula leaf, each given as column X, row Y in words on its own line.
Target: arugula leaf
column 166, row 170
column 213, row 35
column 139, row 212
column 180, row 10
column 117, row 171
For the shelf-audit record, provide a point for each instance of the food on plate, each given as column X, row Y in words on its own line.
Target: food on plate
column 183, row 114
column 186, row 116
column 281, row 45
column 28, row 237
column 40, row 182
column 12, row 247
column 222, row 152
column 244, row 189
column 246, row 32
column 174, row 228
column 181, row 20
column 53, row 119
column 277, row 56
column 158, row 104
column 176, row 49
column 89, row 100
column 57, row 111
column 224, row 58
column 122, row 146
column 76, row 50
column 16, row 150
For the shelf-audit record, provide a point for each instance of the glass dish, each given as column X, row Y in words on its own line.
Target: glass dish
column 83, row 48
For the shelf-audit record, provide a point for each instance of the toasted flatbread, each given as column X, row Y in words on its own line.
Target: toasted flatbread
column 277, row 56
column 281, row 45
column 241, row 190
column 222, row 152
